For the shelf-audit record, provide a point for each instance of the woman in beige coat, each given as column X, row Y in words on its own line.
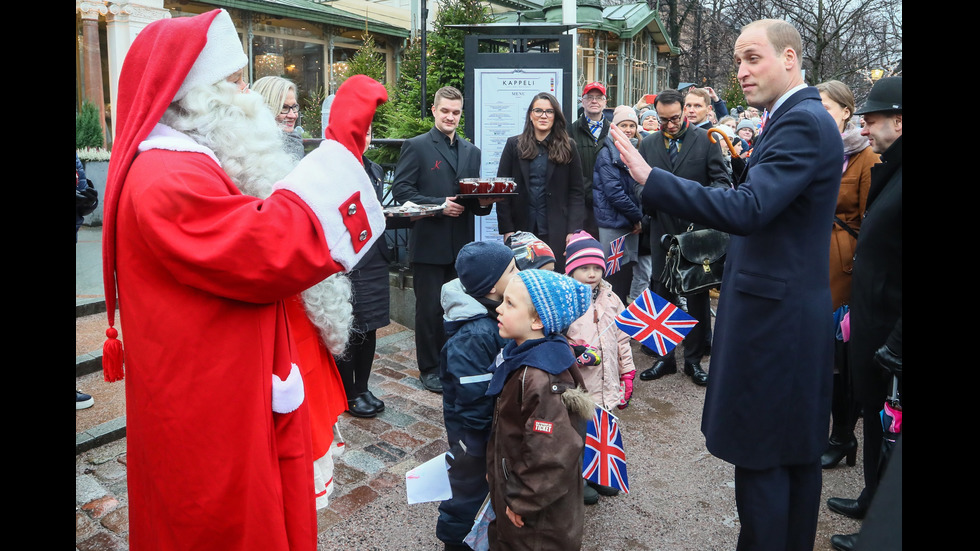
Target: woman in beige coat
column 851, row 199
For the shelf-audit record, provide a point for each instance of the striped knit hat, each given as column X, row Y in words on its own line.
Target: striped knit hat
column 583, row 249
column 558, row 299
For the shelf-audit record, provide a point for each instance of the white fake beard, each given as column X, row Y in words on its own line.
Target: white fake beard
column 245, row 137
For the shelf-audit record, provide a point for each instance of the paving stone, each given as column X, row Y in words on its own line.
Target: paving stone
column 402, row 439
column 431, row 414
column 85, row 527
column 385, row 451
column 388, row 372
column 431, row 450
column 325, row 518
column 98, row 508
column 363, row 461
column 387, row 481
column 87, row 488
column 111, row 470
column 103, row 541
column 347, row 505
column 345, row 475
column 394, row 397
column 396, row 419
column 427, row 430
column 374, row 425
column 117, row 521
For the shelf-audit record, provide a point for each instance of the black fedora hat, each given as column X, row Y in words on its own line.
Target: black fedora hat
column 886, row 95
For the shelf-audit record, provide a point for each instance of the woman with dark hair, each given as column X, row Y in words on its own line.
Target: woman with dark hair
column 545, row 164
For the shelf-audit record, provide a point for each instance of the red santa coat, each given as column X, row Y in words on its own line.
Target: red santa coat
column 217, row 457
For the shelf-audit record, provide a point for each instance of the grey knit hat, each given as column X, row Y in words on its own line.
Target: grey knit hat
column 558, row 299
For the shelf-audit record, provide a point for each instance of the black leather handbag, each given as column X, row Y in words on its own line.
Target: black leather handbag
column 695, row 261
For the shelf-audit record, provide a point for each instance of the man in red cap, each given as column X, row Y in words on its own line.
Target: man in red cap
column 589, row 134
column 218, row 434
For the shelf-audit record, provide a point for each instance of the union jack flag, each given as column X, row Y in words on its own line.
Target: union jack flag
column 655, row 322
column 605, row 459
column 615, row 255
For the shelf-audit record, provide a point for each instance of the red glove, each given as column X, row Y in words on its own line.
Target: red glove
column 352, row 111
column 626, row 379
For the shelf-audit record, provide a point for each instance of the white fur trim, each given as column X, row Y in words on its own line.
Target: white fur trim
column 221, row 56
column 325, row 179
column 289, row 394
column 165, row 137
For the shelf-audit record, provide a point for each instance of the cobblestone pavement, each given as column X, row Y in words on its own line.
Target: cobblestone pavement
column 682, row 498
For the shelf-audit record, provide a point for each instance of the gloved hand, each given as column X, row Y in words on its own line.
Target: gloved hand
column 890, row 362
column 627, row 381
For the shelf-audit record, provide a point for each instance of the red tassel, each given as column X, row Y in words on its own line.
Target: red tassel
column 112, row 357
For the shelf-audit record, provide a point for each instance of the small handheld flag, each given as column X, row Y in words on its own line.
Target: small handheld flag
column 655, row 322
column 605, row 459
column 614, row 264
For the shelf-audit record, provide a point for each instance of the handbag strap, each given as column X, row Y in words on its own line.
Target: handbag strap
column 846, row 227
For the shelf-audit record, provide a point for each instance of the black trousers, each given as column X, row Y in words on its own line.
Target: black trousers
column 699, row 307
column 355, row 364
column 778, row 507
column 430, row 335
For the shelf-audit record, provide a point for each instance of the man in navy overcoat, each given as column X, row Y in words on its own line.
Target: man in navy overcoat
column 767, row 406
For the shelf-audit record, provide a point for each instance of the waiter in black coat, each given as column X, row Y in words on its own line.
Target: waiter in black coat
column 428, row 172
column 876, row 289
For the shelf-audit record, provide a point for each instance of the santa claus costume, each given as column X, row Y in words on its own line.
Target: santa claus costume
column 219, row 451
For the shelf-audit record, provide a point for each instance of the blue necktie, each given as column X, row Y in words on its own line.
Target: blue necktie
column 672, row 152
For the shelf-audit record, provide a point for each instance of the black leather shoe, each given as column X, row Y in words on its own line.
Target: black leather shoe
column 844, row 542
column 850, row 508
column 377, row 404
column 659, row 369
column 431, row 382
column 359, row 407
column 837, row 450
column 696, row 374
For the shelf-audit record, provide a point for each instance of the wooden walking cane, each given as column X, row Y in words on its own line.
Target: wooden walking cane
column 725, row 137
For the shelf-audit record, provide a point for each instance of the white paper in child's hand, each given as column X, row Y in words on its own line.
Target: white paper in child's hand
column 429, row 481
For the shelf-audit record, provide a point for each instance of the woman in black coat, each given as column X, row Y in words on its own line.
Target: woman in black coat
column 370, row 299
column 543, row 160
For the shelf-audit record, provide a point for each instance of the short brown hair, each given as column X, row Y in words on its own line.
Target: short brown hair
column 447, row 93
column 838, row 92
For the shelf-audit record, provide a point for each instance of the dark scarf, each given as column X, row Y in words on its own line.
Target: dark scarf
column 551, row 354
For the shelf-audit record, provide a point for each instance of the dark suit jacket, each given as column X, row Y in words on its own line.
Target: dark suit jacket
column 565, row 200
column 698, row 160
column 768, row 402
column 426, row 174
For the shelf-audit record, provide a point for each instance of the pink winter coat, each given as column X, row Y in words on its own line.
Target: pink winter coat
column 617, row 356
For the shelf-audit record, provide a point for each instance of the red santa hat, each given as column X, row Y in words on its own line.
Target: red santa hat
column 352, row 110
column 167, row 58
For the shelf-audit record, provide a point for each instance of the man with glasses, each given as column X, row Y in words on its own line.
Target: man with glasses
column 683, row 149
column 589, row 134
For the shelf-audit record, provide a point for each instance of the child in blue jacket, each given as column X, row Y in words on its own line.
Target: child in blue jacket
column 470, row 319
